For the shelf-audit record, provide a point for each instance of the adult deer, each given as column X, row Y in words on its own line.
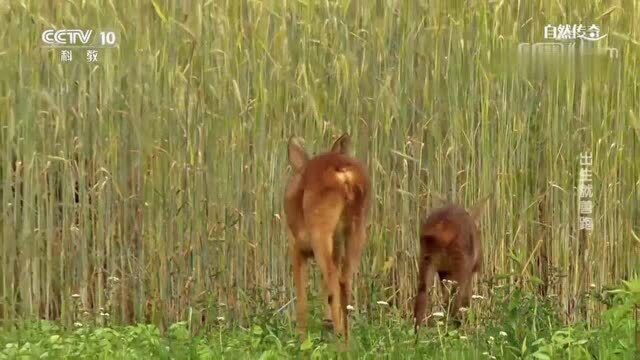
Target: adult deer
column 327, row 195
column 449, row 246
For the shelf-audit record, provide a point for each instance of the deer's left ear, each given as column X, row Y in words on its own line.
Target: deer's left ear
column 297, row 155
column 342, row 145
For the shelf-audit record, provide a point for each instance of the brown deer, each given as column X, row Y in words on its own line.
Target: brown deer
column 327, row 195
column 449, row 246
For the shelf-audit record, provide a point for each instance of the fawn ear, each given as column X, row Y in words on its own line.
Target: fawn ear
column 342, row 145
column 478, row 209
column 438, row 199
column 297, row 155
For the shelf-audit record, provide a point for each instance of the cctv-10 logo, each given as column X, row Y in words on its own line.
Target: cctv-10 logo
column 75, row 37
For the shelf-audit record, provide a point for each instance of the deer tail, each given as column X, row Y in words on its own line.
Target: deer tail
column 351, row 181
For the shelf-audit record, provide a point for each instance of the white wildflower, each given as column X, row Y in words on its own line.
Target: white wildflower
column 77, row 324
column 113, row 278
column 438, row 314
column 592, row 285
column 477, row 297
column 382, row 303
column 463, row 309
column 75, row 296
column 220, row 318
column 503, row 334
column 350, row 307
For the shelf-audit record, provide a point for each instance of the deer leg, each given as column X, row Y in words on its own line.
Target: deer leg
column 321, row 226
column 329, row 276
column 327, row 323
column 425, row 282
column 463, row 295
column 300, row 282
column 447, row 290
column 355, row 241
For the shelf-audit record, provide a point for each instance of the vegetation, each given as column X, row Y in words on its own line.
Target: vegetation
column 148, row 186
column 521, row 327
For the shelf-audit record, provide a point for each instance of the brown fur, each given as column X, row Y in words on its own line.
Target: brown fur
column 327, row 195
column 450, row 246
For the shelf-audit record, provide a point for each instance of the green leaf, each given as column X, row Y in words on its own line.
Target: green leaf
column 633, row 285
column 54, row 338
column 269, row 354
column 542, row 356
column 535, row 280
column 539, row 341
column 307, row 344
column 256, row 330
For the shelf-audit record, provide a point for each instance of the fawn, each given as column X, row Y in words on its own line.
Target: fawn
column 450, row 246
column 327, row 195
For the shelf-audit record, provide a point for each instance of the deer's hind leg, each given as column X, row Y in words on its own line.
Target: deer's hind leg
column 338, row 258
column 355, row 240
column 300, row 278
column 326, row 212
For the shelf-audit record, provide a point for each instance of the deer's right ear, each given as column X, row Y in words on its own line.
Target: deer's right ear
column 297, row 155
column 342, row 144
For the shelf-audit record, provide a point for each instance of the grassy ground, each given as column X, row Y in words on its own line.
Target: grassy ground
column 522, row 327
column 149, row 185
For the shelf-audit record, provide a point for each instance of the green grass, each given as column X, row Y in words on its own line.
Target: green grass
column 150, row 184
column 522, row 327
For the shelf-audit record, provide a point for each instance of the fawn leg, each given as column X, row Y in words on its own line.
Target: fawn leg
column 327, row 210
column 327, row 323
column 356, row 238
column 329, row 276
column 425, row 282
column 463, row 294
column 300, row 282
column 447, row 290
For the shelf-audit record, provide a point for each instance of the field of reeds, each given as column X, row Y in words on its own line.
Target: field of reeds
column 146, row 188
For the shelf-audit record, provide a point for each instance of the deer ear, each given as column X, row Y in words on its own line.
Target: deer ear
column 478, row 209
column 438, row 199
column 297, row 155
column 342, row 145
